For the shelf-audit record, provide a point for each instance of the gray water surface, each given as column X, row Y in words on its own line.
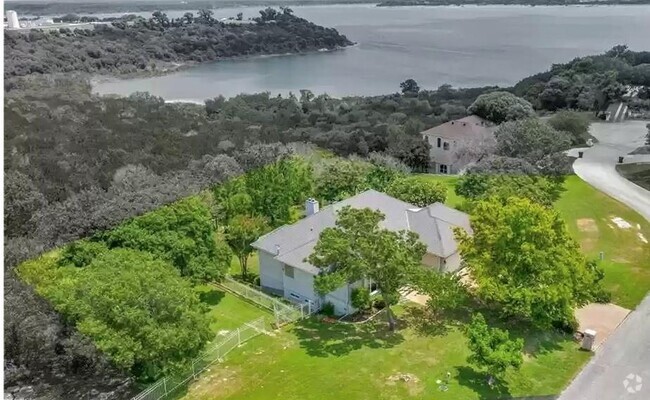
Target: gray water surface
column 463, row 46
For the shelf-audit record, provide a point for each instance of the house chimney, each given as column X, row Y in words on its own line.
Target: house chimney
column 277, row 249
column 311, row 207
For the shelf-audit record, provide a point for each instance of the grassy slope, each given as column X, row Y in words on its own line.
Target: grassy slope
column 627, row 258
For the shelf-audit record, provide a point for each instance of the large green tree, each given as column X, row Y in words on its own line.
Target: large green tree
column 357, row 247
column 537, row 188
column 338, row 179
column 418, row 191
column 537, row 143
column 273, row 189
column 573, row 123
column 525, row 263
column 499, row 107
column 240, row 233
column 138, row 311
column 182, row 233
column 492, row 349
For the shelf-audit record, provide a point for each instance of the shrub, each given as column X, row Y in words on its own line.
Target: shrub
column 499, row 107
column 379, row 303
column 327, row 309
column 417, row 191
column 361, row 298
column 81, row 253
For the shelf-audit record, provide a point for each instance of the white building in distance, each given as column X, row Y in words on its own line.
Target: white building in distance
column 12, row 19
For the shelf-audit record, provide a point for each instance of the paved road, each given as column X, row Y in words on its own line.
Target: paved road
column 598, row 167
column 625, row 353
column 625, row 356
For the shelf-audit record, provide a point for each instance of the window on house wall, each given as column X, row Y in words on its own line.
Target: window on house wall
column 294, row 296
column 439, row 142
column 442, row 169
column 445, row 146
column 288, row 271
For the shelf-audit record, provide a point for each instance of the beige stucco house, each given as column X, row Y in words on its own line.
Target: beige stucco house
column 282, row 252
column 452, row 142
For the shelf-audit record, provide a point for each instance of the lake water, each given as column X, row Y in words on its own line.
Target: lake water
column 463, row 46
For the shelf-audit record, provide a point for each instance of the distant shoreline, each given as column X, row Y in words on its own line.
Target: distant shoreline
column 530, row 3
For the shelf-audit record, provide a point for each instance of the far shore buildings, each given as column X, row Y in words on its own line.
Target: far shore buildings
column 451, row 141
column 285, row 272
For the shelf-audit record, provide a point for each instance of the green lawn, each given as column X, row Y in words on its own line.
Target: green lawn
column 588, row 214
column 227, row 311
column 315, row 360
column 453, row 200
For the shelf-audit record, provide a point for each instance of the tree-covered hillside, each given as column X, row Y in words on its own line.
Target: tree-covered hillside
column 155, row 44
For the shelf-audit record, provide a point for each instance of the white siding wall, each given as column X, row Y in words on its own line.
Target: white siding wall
column 299, row 288
column 271, row 273
column 452, row 263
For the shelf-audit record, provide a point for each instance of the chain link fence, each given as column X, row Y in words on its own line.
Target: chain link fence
column 169, row 386
column 285, row 313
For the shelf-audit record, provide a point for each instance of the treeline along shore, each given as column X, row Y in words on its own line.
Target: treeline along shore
column 136, row 45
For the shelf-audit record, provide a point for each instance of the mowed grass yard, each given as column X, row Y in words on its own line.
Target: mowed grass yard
column 227, row 311
column 315, row 360
column 588, row 214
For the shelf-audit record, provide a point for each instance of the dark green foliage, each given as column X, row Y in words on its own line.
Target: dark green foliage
column 524, row 262
column 22, row 199
column 153, row 44
column 340, row 179
column 360, row 298
column 37, row 339
column 535, row 142
column 357, row 247
column 82, row 252
column 181, row 233
column 327, row 309
column 445, row 290
column 536, row 188
column 587, row 83
column 409, row 87
column 137, row 310
column 499, row 107
column 273, row 189
column 420, row 192
column 573, row 123
column 492, row 349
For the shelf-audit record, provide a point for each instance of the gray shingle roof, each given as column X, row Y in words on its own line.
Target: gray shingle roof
column 434, row 224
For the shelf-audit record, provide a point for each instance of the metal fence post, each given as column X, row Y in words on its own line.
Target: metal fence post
column 238, row 337
column 165, row 385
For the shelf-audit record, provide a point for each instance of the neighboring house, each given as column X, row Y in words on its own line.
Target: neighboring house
column 282, row 252
column 450, row 142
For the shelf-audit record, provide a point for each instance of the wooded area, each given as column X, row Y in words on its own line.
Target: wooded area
column 78, row 165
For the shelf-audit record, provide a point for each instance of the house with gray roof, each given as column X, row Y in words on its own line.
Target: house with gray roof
column 452, row 143
column 282, row 252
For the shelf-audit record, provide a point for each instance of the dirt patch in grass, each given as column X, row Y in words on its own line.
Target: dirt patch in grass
column 216, row 382
column 588, row 244
column 410, row 381
column 587, row 225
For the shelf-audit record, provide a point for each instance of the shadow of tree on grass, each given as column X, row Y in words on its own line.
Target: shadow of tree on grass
column 322, row 339
column 211, row 297
column 477, row 381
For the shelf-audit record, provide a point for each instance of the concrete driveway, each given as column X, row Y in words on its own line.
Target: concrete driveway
column 621, row 369
column 598, row 166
